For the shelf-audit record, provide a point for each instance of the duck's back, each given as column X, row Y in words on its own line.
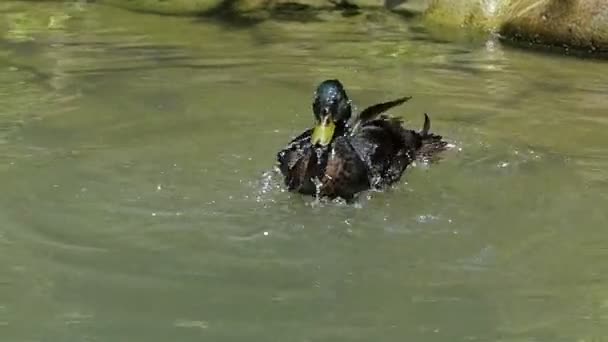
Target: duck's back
column 387, row 148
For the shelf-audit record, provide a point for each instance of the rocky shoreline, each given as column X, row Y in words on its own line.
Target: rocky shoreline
column 566, row 26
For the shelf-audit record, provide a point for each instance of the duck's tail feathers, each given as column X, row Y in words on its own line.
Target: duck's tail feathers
column 426, row 126
column 432, row 144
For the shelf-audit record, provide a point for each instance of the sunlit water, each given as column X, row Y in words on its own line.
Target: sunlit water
column 139, row 203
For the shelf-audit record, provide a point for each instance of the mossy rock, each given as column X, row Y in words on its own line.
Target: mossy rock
column 572, row 24
column 168, row 7
column 471, row 14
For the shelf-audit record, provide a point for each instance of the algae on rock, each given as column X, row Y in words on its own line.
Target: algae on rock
column 476, row 14
column 573, row 24
column 577, row 24
column 172, row 7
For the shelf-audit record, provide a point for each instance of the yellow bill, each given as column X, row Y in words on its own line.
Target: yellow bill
column 323, row 133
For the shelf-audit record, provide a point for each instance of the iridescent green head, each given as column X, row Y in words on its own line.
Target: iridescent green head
column 332, row 110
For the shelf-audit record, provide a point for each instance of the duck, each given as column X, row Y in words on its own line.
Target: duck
column 341, row 155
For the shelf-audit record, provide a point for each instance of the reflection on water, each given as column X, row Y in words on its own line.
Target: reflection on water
column 140, row 203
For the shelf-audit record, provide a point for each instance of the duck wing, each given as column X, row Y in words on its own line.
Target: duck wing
column 395, row 147
column 297, row 162
column 295, row 150
column 372, row 112
column 386, row 147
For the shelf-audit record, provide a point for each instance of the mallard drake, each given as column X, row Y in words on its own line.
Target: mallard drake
column 340, row 157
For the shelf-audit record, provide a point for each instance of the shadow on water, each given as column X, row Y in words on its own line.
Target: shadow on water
column 228, row 14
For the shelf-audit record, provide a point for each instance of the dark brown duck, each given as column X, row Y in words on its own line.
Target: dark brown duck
column 340, row 157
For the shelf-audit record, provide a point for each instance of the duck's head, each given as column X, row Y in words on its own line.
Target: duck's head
column 331, row 108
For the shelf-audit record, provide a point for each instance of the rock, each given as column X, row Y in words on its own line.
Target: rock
column 580, row 25
column 572, row 24
column 476, row 14
column 168, row 7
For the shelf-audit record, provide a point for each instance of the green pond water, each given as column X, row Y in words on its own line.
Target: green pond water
column 138, row 201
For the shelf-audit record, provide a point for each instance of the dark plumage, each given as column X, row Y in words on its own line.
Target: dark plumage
column 339, row 158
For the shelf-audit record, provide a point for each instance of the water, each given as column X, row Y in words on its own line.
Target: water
column 138, row 202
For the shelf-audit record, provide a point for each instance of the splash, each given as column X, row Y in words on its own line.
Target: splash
column 318, row 185
column 268, row 185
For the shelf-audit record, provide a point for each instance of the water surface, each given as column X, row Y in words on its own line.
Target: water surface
column 138, row 202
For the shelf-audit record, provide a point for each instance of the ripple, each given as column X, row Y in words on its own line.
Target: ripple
column 183, row 323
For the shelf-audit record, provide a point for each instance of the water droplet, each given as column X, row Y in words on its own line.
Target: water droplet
column 427, row 218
